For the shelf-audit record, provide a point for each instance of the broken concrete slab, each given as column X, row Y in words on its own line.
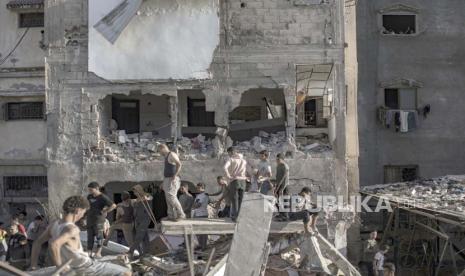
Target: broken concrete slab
column 250, row 235
column 224, row 226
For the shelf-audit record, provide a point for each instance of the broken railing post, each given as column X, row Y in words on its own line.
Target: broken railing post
column 189, row 256
column 209, row 261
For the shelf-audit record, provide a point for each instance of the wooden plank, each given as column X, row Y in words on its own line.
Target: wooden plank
column 223, row 226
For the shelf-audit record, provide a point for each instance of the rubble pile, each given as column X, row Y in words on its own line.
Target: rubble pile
column 120, row 146
column 442, row 194
column 278, row 143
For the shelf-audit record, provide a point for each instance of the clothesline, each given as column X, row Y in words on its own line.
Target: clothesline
column 401, row 120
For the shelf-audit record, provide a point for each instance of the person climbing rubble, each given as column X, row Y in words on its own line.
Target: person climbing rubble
column 186, row 199
column 142, row 217
column 171, row 182
column 65, row 244
column 124, row 220
column 226, row 196
column 200, row 210
column 302, row 208
column 235, row 170
column 100, row 206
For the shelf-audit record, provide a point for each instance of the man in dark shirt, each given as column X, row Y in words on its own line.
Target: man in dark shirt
column 18, row 250
column 282, row 175
column 100, row 205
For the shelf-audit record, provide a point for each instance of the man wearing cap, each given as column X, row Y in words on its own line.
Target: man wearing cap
column 171, row 182
column 100, row 206
column 124, row 219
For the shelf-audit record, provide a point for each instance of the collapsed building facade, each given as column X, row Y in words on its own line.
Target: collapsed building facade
column 258, row 75
column 122, row 76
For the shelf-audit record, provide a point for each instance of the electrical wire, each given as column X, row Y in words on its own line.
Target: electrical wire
column 14, row 48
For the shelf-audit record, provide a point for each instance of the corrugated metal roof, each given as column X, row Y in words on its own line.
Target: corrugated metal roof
column 24, row 3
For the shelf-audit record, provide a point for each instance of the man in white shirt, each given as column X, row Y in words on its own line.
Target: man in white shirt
column 378, row 261
column 200, row 210
column 235, row 170
column 264, row 174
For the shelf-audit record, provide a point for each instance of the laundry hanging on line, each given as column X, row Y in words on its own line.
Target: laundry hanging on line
column 399, row 120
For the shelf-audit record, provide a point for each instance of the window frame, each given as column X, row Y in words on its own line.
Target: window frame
column 7, row 108
column 400, row 168
column 20, row 22
column 399, row 9
column 38, row 193
column 399, row 98
column 399, row 14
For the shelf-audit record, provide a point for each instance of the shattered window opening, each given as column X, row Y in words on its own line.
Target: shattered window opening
column 394, row 174
column 31, row 20
column 25, row 186
column 399, row 24
column 24, row 110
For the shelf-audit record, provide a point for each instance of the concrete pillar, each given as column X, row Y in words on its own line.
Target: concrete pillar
column 66, row 35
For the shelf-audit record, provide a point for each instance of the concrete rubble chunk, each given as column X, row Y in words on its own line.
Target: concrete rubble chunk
column 250, row 235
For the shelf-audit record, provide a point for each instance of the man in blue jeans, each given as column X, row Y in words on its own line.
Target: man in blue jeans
column 235, row 170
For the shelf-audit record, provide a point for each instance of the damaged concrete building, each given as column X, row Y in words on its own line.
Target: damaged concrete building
column 23, row 173
column 122, row 76
column 201, row 75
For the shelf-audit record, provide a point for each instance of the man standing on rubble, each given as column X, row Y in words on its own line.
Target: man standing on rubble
column 100, row 206
column 186, row 199
column 124, row 220
column 264, row 174
column 235, row 169
column 142, row 217
column 171, row 182
column 303, row 209
column 282, row 175
column 65, row 243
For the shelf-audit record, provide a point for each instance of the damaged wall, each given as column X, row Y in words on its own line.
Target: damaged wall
column 165, row 39
column 320, row 177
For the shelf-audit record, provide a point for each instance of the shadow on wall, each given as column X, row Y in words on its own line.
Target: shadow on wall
column 259, row 110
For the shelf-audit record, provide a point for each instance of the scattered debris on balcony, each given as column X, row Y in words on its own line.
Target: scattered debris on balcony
column 446, row 194
column 120, row 146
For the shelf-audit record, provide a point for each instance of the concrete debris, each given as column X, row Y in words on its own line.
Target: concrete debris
column 251, row 235
column 445, row 194
column 122, row 147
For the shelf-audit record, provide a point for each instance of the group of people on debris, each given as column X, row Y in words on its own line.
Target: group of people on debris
column 135, row 213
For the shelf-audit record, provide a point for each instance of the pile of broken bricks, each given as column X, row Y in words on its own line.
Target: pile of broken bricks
column 122, row 147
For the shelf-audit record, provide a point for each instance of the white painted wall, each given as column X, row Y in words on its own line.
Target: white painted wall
column 166, row 39
column 28, row 53
column 22, row 139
